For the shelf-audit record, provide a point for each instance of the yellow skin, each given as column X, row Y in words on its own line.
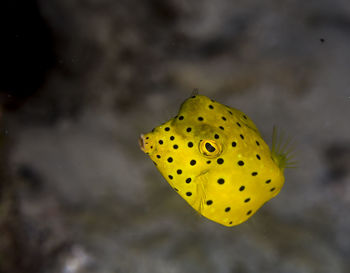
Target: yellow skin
column 221, row 166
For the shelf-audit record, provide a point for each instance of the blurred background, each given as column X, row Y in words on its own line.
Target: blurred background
column 82, row 79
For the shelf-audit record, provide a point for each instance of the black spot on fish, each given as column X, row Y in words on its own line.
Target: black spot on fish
column 220, row 161
column 221, row 181
column 240, row 163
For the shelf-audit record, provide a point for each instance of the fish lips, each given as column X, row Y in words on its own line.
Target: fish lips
column 142, row 143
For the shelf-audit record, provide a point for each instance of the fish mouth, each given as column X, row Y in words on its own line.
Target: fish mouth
column 142, row 142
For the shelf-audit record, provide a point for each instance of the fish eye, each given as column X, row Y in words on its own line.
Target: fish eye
column 209, row 148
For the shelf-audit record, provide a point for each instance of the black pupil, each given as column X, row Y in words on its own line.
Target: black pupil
column 209, row 147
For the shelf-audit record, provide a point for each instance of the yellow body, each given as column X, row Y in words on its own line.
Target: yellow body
column 215, row 158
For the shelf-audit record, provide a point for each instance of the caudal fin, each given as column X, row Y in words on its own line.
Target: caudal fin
column 283, row 150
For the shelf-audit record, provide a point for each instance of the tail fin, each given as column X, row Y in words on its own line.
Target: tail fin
column 283, row 150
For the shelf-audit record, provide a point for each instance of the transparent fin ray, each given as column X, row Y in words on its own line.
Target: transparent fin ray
column 283, row 150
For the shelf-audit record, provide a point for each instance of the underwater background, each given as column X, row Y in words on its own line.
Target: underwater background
column 81, row 80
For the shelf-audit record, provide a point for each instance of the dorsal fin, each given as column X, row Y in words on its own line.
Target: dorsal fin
column 195, row 92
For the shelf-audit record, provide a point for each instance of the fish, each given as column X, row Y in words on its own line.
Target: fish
column 215, row 158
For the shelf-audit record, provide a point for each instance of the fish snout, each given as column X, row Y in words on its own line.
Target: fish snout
column 142, row 142
column 146, row 143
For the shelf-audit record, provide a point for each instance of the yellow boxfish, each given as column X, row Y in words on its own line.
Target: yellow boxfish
column 215, row 158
